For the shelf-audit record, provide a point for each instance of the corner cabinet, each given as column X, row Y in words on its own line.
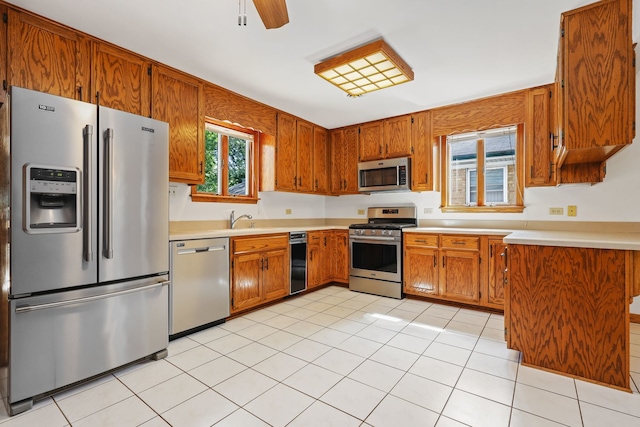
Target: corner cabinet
column 47, row 57
column 596, row 77
column 177, row 98
column 259, row 270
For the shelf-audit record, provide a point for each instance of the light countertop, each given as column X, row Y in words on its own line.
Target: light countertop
column 575, row 239
column 454, row 230
column 227, row 232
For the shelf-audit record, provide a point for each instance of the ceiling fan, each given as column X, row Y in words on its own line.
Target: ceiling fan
column 272, row 12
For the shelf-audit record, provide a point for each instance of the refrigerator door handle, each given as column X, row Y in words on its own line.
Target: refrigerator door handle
column 87, row 134
column 108, row 194
column 29, row 308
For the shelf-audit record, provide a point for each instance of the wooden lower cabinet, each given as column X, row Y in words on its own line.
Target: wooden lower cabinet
column 497, row 273
column 339, row 256
column 452, row 268
column 315, row 259
column 259, row 270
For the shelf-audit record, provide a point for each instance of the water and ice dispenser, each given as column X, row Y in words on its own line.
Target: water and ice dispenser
column 52, row 199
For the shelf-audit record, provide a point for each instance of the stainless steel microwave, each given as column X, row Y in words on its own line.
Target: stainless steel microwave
column 384, row 175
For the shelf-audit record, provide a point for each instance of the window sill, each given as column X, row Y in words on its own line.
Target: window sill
column 482, row 209
column 203, row 197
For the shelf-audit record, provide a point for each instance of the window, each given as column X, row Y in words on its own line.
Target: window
column 229, row 165
column 483, row 170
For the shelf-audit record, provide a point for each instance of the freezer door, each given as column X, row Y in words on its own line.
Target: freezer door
column 50, row 133
column 134, row 196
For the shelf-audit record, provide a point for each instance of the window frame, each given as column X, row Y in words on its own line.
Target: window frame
column 253, row 162
column 505, row 188
column 481, row 206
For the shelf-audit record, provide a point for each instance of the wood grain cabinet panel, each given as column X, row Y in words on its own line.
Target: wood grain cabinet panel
column 121, row 80
column 344, row 161
column 286, row 179
column 339, row 254
column 315, row 259
column 245, row 287
column 397, row 136
column 568, row 310
column 47, row 57
column 304, row 156
column 497, row 273
column 421, row 271
column 3, row 54
column 539, row 139
column 275, row 273
column 460, row 276
column 370, row 140
column 177, row 98
column 320, row 160
column 422, row 158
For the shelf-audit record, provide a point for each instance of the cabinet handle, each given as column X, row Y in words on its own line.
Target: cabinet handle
column 316, row 184
column 261, row 263
column 325, row 240
column 442, row 261
column 80, row 93
column 310, row 256
column 458, row 242
column 435, row 261
column 266, row 262
column 381, row 149
column 421, row 241
column 295, row 179
column 386, row 148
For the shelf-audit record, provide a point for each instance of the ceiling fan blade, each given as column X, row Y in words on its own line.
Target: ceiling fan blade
column 272, row 12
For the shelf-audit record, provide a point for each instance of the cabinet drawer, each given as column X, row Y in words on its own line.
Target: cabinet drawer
column 460, row 242
column 428, row 240
column 259, row 243
column 315, row 238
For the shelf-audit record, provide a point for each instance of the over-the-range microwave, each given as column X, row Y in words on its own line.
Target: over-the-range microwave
column 384, row 175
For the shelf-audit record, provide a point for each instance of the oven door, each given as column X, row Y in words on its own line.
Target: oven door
column 376, row 257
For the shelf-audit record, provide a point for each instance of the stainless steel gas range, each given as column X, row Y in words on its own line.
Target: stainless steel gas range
column 375, row 266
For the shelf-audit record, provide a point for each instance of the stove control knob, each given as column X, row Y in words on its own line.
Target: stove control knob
column 384, row 232
column 373, row 231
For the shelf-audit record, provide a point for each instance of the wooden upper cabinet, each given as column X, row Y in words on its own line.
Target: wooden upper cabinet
column 338, row 150
column 596, row 75
column 422, row 159
column 320, row 160
column 177, row 99
column 121, row 80
column 539, row 166
column 304, row 156
column 397, row 137
column 286, row 179
column 47, row 57
column 370, row 141
column 344, row 161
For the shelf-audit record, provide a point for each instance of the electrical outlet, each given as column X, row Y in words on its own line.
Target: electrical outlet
column 287, row 211
column 360, row 211
column 173, row 190
column 572, row 210
column 556, row 211
column 428, row 210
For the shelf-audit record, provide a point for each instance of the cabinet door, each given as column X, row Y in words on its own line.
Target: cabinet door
column 46, row 57
column 315, row 264
column 421, row 271
column 178, row 99
column 497, row 273
column 539, row 142
column 326, row 272
column 341, row 254
column 274, row 274
column 245, row 284
column 459, row 275
column 121, row 79
column 350, row 165
column 422, row 160
column 337, row 161
column 286, row 178
column 304, row 156
column 370, row 141
column 320, row 160
column 397, row 137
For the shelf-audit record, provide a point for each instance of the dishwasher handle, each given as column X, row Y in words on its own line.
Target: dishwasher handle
column 203, row 249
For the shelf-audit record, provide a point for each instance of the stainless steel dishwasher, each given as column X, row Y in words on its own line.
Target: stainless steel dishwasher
column 199, row 289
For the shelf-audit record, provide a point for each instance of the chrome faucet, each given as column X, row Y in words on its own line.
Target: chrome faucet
column 233, row 220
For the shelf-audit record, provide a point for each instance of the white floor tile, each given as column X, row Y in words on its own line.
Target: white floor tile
column 260, row 315
column 596, row 416
column 318, row 306
column 448, row 422
column 322, row 319
column 493, row 334
column 307, row 350
column 464, row 328
column 303, row 329
column 422, row 330
column 150, row 375
column 415, row 306
column 280, row 308
column 341, row 312
column 444, row 312
column 497, row 366
column 472, row 317
column 547, row 381
column 280, row 405
column 475, row 410
column 301, row 313
column 395, row 325
column 329, row 337
column 93, row 399
column 48, row 415
column 353, row 304
column 406, row 315
column 251, row 354
column 387, row 302
column 229, row 343
column 204, row 336
column 409, row 343
column 257, row 332
column 313, row 380
column 635, row 364
column 487, row 386
column 84, row 387
column 423, row 392
column 395, row 357
column 496, row 323
column 394, row 412
column 322, row 415
column 348, row 326
column 497, row 349
column 377, row 309
column 437, row 370
column 457, row 339
column 280, row 366
column 360, row 346
column 155, row 422
column 242, row 418
column 339, row 361
column 280, row 321
column 280, row 340
column 244, row 387
column 237, row 324
column 609, row 398
column 377, row 375
column 448, row 353
column 377, row 334
column 362, row 317
column 524, row 419
column 354, row 398
column 216, row 371
column 172, row 392
column 182, row 344
column 193, row 358
column 203, row 410
column 129, row 412
column 332, row 300
column 548, row 405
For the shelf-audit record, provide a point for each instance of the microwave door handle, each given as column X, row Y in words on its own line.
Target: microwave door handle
column 108, row 194
column 87, row 134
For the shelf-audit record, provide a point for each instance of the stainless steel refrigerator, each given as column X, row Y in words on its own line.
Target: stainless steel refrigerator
column 89, row 253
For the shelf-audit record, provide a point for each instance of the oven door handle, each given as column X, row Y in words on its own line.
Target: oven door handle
column 378, row 238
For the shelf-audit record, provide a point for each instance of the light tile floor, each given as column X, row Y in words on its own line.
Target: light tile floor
column 340, row 358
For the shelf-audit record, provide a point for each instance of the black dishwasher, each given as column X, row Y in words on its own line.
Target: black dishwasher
column 298, row 250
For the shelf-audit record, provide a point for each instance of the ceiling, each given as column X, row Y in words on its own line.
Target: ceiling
column 458, row 49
